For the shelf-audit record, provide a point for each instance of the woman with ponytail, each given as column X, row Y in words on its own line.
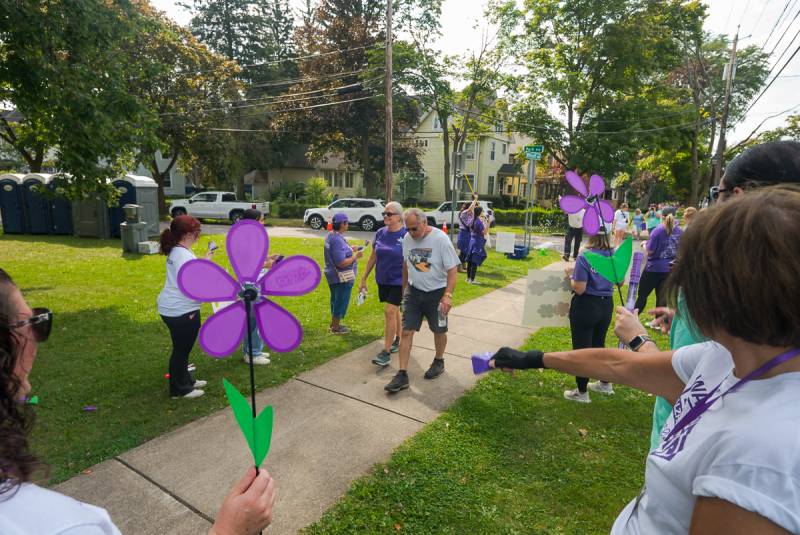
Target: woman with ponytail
column 179, row 313
column 662, row 248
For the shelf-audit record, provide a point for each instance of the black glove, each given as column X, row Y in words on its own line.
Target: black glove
column 518, row 360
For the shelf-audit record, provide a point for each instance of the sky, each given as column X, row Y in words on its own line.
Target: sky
column 756, row 19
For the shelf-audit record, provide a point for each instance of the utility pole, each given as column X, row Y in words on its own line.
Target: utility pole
column 457, row 165
column 389, row 121
column 730, row 72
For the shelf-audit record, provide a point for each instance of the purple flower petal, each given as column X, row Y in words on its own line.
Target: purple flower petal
column 597, row 185
column 591, row 223
column 203, row 280
column 279, row 329
column 607, row 210
column 576, row 182
column 572, row 204
column 247, row 245
column 221, row 334
column 295, row 275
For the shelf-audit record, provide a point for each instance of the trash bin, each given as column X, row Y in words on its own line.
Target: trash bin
column 60, row 207
column 37, row 206
column 12, row 208
column 520, row 253
column 132, row 230
column 139, row 190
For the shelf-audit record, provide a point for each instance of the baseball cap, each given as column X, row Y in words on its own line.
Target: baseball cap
column 339, row 218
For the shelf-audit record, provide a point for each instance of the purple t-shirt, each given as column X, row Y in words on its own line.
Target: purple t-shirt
column 389, row 250
column 336, row 250
column 595, row 283
column 662, row 248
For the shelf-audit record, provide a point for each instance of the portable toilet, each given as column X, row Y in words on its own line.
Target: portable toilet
column 140, row 190
column 12, row 206
column 90, row 218
column 37, row 206
column 60, row 207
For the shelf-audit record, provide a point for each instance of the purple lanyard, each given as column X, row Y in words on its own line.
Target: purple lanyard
column 702, row 406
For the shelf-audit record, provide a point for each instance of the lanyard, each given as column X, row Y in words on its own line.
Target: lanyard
column 702, row 406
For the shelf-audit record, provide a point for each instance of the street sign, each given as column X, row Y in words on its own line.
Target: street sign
column 534, row 152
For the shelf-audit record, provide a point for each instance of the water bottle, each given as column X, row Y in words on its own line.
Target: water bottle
column 362, row 297
column 442, row 317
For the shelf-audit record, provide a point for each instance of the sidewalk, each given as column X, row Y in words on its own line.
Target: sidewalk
column 332, row 424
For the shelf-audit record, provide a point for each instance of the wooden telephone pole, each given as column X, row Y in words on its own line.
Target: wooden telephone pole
column 389, row 121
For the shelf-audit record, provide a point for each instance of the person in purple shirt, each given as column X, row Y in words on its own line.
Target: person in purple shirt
column 387, row 259
column 589, row 314
column 662, row 248
column 465, row 217
column 340, row 271
column 477, row 245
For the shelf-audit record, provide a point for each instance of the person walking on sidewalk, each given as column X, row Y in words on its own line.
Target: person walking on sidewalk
column 465, row 218
column 477, row 245
column 574, row 235
column 387, row 259
column 429, row 277
column 341, row 264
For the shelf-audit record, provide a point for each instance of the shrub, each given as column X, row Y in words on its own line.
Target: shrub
column 289, row 210
column 317, row 192
column 551, row 220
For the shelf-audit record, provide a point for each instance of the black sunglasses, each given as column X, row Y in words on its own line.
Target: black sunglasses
column 41, row 323
column 387, row 214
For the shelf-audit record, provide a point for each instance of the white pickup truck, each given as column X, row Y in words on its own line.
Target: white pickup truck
column 443, row 214
column 215, row 205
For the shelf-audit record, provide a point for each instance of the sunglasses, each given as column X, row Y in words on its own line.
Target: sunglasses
column 387, row 214
column 41, row 322
column 412, row 229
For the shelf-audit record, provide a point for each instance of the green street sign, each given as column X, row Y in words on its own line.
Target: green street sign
column 534, row 152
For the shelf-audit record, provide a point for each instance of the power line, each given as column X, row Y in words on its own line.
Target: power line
column 784, row 34
column 294, row 81
column 760, row 15
column 303, row 108
column 317, row 55
column 777, row 23
column 772, row 81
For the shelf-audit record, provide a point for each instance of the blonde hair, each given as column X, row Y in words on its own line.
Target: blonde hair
column 689, row 214
column 669, row 223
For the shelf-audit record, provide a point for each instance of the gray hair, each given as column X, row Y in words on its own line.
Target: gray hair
column 396, row 206
column 416, row 212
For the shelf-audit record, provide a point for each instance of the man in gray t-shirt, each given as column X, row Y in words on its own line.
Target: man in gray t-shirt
column 429, row 276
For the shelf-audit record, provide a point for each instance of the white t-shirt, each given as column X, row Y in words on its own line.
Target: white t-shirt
column 576, row 219
column 171, row 301
column 621, row 220
column 745, row 449
column 429, row 259
column 32, row 510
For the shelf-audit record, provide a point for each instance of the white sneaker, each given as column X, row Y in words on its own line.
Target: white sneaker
column 259, row 360
column 200, row 383
column 191, row 395
column 601, row 387
column 574, row 395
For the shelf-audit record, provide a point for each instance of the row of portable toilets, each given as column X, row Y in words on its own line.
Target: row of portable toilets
column 25, row 210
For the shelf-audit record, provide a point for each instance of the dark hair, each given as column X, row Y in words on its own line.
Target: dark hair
column 338, row 224
column 252, row 213
column 17, row 463
column 775, row 162
column 178, row 229
column 739, row 267
column 477, row 212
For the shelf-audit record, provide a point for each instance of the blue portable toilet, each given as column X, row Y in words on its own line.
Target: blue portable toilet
column 12, row 207
column 37, row 206
column 127, row 196
column 60, row 207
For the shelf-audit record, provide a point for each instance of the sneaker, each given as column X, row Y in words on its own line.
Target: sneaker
column 399, row 382
column 565, row 258
column 436, row 369
column 200, row 383
column 574, row 395
column 191, row 395
column 341, row 330
column 460, row 269
column 395, row 346
column 382, row 359
column 260, row 360
column 601, row 387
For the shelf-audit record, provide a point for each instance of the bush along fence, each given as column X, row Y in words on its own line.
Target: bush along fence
column 544, row 220
column 289, row 210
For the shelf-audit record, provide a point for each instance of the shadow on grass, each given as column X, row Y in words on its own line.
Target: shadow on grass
column 67, row 241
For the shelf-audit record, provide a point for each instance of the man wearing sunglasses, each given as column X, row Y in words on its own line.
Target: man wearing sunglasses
column 429, row 277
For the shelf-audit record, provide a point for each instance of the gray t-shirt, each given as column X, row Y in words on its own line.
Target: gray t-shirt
column 429, row 259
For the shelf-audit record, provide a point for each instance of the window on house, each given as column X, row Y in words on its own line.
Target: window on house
column 421, row 142
column 503, row 148
column 469, row 150
column 348, row 179
column 498, row 127
column 491, row 152
column 328, row 175
column 473, row 180
column 437, row 125
column 490, row 185
column 510, row 187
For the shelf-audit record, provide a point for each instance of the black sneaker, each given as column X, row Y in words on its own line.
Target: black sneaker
column 398, row 383
column 565, row 257
column 436, row 369
column 395, row 346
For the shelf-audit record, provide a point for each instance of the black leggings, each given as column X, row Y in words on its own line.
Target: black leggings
column 462, row 255
column 589, row 319
column 183, row 330
column 576, row 235
column 472, row 270
column 650, row 281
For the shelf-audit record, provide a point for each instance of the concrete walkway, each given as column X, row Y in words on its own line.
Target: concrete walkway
column 332, row 424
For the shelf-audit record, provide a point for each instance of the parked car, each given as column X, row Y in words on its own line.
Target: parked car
column 215, row 205
column 443, row 214
column 367, row 213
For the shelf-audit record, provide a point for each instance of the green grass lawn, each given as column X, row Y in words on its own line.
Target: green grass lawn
column 110, row 349
column 510, row 457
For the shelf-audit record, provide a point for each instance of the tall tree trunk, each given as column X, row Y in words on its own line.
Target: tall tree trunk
column 694, row 195
column 446, row 153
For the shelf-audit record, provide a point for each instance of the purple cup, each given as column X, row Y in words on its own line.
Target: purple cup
column 480, row 363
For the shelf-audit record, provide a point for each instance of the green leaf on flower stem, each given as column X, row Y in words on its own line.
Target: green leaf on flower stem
column 612, row 268
column 258, row 431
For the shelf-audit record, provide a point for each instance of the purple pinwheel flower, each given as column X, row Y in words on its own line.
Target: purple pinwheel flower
column 596, row 208
column 203, row 280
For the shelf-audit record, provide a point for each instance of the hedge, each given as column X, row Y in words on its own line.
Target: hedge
column 542, row 217
column 293, row 210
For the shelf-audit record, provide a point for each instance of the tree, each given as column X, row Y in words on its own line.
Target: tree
column 66, row 67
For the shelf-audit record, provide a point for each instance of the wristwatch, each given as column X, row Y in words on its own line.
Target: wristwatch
column 638, row 341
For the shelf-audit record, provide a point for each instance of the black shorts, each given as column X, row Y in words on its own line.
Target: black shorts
column 418, row 304
column 389, row 293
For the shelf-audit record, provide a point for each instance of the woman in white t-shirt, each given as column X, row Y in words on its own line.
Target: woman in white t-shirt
column 729, row 456
column 179, row 313
column 622, row 219
column 26, row 508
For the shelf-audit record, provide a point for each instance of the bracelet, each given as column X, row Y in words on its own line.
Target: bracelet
column 448, row 294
